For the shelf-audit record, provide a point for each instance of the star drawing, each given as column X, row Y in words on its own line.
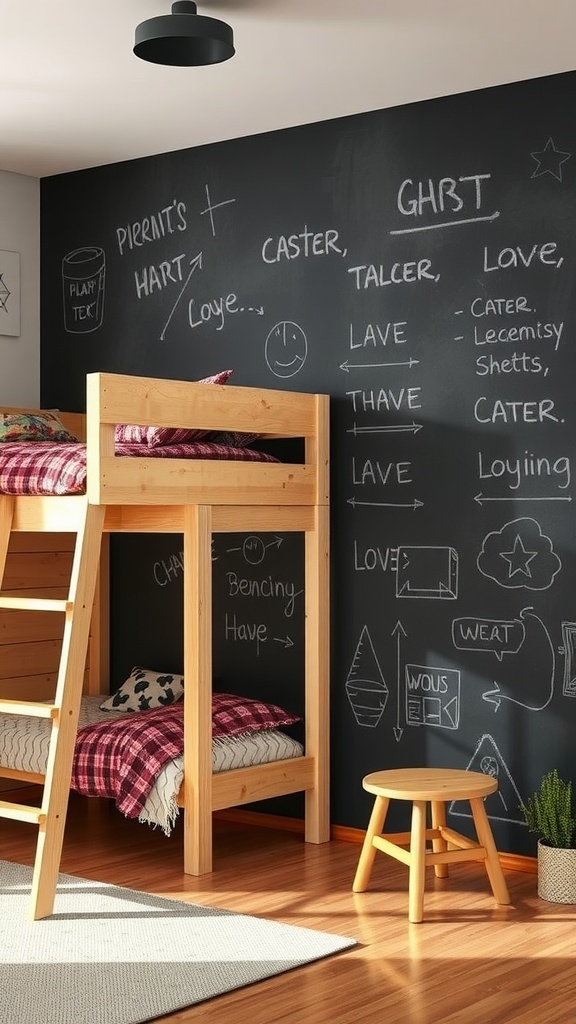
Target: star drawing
column 519, row 559
column 550, row 160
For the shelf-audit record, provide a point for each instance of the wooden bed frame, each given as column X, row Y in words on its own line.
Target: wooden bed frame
column 196, row 499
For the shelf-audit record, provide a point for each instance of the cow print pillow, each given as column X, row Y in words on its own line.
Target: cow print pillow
column 145, row 689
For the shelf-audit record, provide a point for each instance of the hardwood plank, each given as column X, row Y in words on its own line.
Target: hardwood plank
column 37, row 569
column 38, row 687
column 470, row 959
column 23, row 542
column 28, row 627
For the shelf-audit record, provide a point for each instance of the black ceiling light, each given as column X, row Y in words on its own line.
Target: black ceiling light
column 184, row 38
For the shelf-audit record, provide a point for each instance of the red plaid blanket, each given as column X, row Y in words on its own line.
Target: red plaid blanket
column 46, row 467
column 121, row 759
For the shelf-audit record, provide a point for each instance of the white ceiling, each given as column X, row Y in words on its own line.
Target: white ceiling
column 73, row 95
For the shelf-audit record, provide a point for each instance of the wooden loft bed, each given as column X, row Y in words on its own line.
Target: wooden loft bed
column 194, row 498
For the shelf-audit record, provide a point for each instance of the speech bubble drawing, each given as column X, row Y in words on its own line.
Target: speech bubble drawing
column 500, row 636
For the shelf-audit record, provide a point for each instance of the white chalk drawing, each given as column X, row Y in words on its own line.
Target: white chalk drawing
column 549, row 160
column 286, row 349
column 386, row 428
column 214, row 206
column 543, row 699
column 169, row 569
column 427, row 572
column 500, row 636
column 399, row 632
column 9, row 293
column 236, row 631
column 266, row 587
column 413, row 504
column 519, row 555
column 366, row 687
column 286, row 641
column 83, row 286
column 568, row 649
column 504, row 804
column 347, row 366
column 483, row 499
column 254, row 549
column 195, row 264
column 464, row 195
column 432, row 696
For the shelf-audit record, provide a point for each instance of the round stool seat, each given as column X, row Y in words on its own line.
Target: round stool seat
column 429, row 784
column 437, row 846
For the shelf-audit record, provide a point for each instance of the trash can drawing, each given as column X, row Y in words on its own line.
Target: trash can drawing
column 83, row 278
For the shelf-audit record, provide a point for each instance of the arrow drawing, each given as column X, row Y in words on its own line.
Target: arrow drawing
column 482, row 498
column 496, row 696
column 399, row 632
column 346, row 366
column 387, row 504
column 195, row 264
column 259, row 310
column 275, row 543
column 284, row 640
column 388, row 428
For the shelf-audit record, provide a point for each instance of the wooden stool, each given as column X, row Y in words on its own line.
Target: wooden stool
column 436, row 786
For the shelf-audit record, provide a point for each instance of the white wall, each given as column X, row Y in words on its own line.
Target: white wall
column 20, row 232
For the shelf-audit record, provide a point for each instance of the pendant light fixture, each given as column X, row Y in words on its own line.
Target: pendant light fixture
column 184, row 38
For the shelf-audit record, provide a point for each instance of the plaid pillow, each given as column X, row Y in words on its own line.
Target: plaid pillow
column 28, row 426
column 133, row 433
column 233, row 715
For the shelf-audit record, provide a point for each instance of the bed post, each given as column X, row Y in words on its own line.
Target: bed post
column 197, row 689
column 317, row 635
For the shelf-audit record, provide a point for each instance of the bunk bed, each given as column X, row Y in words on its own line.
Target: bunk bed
column 195, row 497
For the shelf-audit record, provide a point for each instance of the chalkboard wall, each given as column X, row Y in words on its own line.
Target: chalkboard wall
column 418, row 264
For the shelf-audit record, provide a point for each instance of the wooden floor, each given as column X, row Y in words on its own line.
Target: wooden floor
column 469, row 961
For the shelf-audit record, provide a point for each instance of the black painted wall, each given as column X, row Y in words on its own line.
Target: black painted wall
column 418, row 265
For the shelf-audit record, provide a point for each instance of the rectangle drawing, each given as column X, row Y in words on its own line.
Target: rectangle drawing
column 427, row 572
column 569, row 645
column 9, row 293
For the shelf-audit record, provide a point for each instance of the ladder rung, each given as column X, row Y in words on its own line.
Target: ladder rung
column 36, row 604
column 21, row 812
column 34, row 708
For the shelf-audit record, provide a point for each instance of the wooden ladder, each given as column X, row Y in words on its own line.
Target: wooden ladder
column 63, row 712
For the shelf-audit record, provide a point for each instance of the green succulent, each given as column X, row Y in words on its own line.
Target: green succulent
column 551, row 811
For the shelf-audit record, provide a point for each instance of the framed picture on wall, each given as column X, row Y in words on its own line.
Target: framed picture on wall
column 9, row 293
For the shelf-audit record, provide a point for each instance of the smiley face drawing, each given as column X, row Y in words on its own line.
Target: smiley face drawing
column 286, row 349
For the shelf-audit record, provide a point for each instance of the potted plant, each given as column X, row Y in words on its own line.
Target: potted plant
column 551, row 813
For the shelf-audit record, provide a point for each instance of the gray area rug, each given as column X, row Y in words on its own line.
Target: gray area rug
column 115, row 956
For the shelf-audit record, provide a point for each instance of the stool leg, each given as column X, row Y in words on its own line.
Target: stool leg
column 368, row 852
column 439, row 845
column 492, row 862
column 417, row 862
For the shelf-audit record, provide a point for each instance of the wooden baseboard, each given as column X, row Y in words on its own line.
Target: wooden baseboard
column 509, row 861
column 515, row 862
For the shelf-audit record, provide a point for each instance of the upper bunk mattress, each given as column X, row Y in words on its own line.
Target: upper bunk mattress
column 49, row 468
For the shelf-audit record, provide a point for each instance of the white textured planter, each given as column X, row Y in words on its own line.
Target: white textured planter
column 556, row 874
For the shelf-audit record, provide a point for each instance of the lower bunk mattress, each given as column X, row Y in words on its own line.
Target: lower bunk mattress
column 143, row 784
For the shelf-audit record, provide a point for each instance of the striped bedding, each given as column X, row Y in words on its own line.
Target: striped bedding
column 24, row 747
